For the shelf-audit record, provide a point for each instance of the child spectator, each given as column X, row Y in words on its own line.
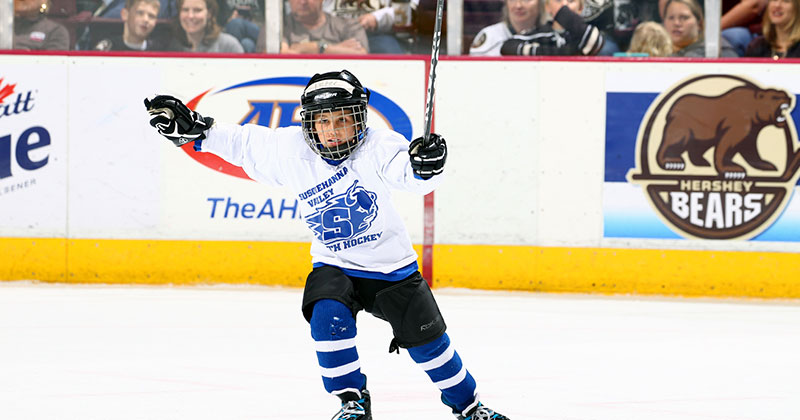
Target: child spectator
column 139, row 19
column 652, row 39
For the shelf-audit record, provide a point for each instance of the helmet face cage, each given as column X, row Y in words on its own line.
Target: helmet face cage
column 334, row 114
column 335, row 133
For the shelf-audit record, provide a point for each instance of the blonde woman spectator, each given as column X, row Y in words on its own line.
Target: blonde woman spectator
column 652, row 39
column 684, row 22
column 781, row 31
column 34, row 31
column 196, row 29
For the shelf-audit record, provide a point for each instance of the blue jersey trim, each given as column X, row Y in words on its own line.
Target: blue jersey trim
column 395, row 275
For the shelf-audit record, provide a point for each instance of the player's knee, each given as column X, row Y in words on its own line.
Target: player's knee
column 332, row 320
column 412, row 311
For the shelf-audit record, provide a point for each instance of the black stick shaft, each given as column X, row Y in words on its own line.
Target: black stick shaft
column 437, row 36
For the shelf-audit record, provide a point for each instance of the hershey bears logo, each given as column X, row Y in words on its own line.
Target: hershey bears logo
column 717, row 156
column 344, row 216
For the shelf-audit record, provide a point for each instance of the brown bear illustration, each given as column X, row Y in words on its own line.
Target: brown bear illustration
column 730, row 123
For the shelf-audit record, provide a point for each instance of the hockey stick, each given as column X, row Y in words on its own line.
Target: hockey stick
column 437, row 36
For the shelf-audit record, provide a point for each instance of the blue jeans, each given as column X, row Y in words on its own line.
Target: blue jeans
column 384, row 44
column 245, row 31
column 739, row 37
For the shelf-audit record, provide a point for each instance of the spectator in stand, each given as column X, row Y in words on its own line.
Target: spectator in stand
column 652, row 39
column 240, row 22
column 527, row 31
column 139, row 20
column 617, row 20
column 376, row 17
column 34, row 31
column 684, row 22
column 781, row 28
column 309, row 30
column 741, row 22
column 196, row 29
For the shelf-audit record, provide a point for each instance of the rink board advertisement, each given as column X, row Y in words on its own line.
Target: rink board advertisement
column 193, row 195
column 90, row 192
column 709, row 156
column 33, row 149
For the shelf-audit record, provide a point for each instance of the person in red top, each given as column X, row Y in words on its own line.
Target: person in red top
column 741, row 22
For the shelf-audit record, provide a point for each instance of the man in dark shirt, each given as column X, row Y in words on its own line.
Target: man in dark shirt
column 139, row 20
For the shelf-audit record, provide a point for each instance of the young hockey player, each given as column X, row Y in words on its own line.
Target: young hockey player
column 362, row 256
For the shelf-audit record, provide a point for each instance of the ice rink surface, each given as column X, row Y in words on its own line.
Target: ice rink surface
column 202, row 353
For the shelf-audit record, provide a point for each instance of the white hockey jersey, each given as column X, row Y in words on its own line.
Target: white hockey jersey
column 347, row 207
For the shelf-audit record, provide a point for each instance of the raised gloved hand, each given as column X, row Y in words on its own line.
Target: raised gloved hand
column 175, row 121
column 428, row 160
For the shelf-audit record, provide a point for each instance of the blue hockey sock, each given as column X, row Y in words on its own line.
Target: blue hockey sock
column 334, row 331
column 443, row 365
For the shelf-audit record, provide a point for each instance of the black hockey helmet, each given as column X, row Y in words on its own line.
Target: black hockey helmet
column 334, row 94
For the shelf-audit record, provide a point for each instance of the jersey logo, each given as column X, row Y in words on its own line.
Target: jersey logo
column 344, row 216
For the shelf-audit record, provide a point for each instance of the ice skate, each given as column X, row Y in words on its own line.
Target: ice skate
column 479, row 412
column 355, row 407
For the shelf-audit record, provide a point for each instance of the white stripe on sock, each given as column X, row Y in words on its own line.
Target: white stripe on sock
column 334, row 345
column 453, row 380
column 340, row 370
column 439, row 360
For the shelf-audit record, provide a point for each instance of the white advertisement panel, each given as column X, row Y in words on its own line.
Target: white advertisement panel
column 132, row 183
column 33, row 147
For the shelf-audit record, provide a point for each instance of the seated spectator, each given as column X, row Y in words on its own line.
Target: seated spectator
column 307, row 29
column 684, row 22
column 240, row 23
column 781, row 28
column 196, row 29
column 652, row 39
column 34, row 31
column 741, row 22
column 377, row 18
column 617, row 19
column 528, row 32
column 139, row 20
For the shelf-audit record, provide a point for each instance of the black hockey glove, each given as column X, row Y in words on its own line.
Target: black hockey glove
column 429, row 160
column 175, row 121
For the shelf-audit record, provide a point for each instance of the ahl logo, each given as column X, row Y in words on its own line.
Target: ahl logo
column 274, row 102
column 344, row 216
column 22, row 102
column 718, row 156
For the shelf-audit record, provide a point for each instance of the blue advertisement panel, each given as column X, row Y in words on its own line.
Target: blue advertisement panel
column 714, row 156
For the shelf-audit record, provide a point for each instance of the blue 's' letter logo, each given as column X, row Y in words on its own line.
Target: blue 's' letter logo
column 345, row 215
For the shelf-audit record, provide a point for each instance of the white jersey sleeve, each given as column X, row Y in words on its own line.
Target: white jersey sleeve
column 391, row 154
column 252, row 147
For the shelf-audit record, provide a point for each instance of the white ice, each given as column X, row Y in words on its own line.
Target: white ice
column 202, row 353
